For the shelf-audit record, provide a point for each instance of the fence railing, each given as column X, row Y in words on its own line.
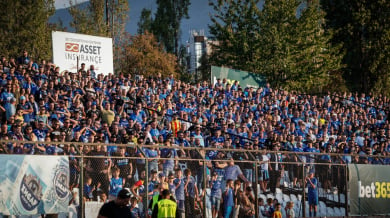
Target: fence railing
column 198, row 177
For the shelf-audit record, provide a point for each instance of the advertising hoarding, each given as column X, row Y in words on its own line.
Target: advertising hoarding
column 244, row 78
column 91, row 50
column 369, row 187
column 30, row 186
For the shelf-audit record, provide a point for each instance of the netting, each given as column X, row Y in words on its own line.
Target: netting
column 206, row 182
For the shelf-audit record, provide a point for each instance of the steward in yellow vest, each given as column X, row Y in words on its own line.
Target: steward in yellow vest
column 165, row 208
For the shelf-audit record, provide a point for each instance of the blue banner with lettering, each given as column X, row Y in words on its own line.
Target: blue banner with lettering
column 31, row 184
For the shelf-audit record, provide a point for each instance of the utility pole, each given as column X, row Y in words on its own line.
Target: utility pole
column 107, row 17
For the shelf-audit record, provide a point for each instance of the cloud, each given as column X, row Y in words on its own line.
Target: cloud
column 65, row 3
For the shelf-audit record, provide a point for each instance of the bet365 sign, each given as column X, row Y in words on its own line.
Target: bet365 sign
column 374, row 190
column 369, row 189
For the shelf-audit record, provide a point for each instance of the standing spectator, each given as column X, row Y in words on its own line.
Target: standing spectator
column 247, row 209
column 312, row 182
column 108, row 115
column 247, row 167
column 277, row 212
column 216, row 194
column 98, row 168
column 165, row 207
column 29, row 136
column 233, row 172
column 179, row 190
column 26, row 108
column 24, row 59
column 170, row 155
column 116, row 183
column 191, row 193
column 118, row 207
column 154, row 155
column 43, row 115
column 82, row 69
column 10, row 108
column 237, row 197
column 92, row 71
column 42, row 131
column 88, row 189
column 137, row 213
column 275, row 168
column 139, row 190
column 140, row 162
column 269, row 208
column 290, row 213
column 175, row 125
column 125, row 166
column 228, row 201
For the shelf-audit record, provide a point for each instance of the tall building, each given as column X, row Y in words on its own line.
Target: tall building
column 197, row 46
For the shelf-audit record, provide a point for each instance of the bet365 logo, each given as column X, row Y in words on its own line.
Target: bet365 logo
column 374, row 190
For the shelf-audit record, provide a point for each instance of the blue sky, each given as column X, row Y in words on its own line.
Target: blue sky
column 65, row 3
column 198, row 11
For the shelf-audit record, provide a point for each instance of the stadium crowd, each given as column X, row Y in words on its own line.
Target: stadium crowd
column 41, row 103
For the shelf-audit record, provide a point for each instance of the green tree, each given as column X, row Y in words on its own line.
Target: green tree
column 106, row 18
column 119, row 17
column 145, row 22
column 235, row 25
column 24, row 25
column 205, row 68
column 363, row 28
column 166, row 23
column 91, row 20
column 295, row 50
column 285, row 41
column 144, row 55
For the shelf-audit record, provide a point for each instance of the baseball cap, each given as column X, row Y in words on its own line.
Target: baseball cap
column 124, row 193
column 22, row 97
column 161, row 174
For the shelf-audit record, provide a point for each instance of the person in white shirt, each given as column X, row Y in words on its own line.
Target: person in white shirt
column 264, row 174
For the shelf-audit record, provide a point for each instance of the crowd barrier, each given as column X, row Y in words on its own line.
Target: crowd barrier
column 287, row 173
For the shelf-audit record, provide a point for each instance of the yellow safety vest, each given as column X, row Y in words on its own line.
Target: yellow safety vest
column 166, row 209
column 155, row 200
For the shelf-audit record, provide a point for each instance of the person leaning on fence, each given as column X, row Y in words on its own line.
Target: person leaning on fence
column 117, row 208
column 165, row 208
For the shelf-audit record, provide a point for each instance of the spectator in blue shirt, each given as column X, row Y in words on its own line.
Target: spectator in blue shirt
column 228, row 201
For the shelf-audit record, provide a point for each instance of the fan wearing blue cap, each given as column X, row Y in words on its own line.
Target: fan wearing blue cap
column 118, row 208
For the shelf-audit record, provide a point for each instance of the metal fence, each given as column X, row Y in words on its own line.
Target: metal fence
column 198, row 178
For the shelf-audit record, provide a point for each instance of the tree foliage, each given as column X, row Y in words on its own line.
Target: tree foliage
column 144, row 55
column 284, row 41
column 24, row 25
column 296, row 51
column 363, row 27
column 90, row 20
column 166, row 23
column 235, row 25
column 205, row 68
column 101, row 19
column 145, row 22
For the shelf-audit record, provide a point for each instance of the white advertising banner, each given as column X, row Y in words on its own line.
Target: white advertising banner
column 91, row 50
column 32, row 184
